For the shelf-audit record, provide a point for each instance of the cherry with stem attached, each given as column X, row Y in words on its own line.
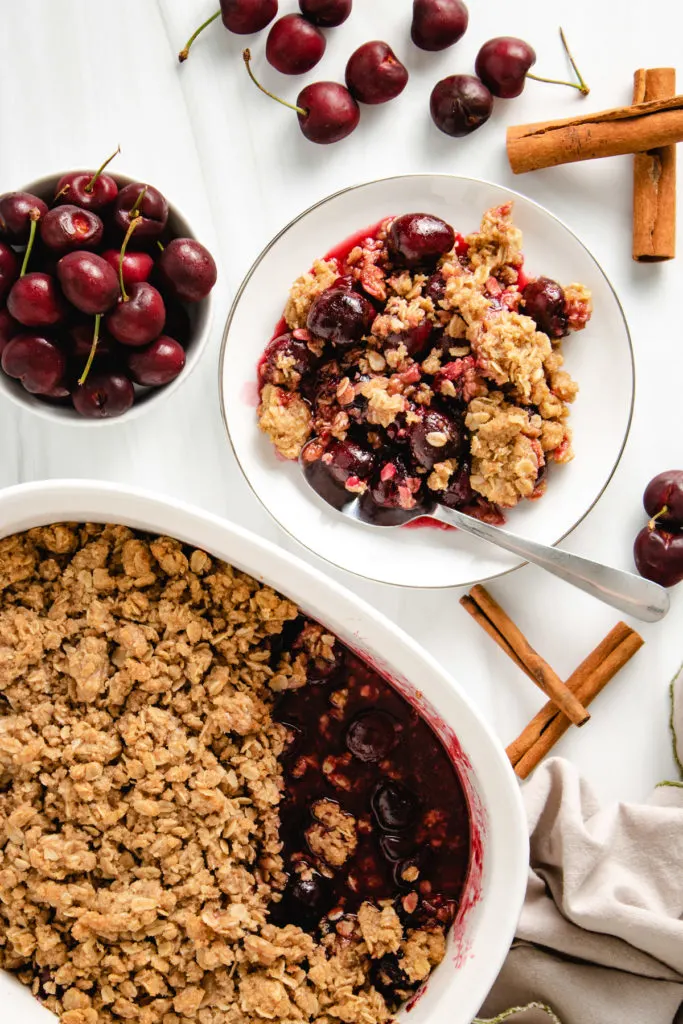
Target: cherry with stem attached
column 243, row 17
column 34, row 299
column 327, row 111
column 89, row 190
column 503, row 65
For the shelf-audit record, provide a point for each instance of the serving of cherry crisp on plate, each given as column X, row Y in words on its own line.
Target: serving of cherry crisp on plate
column 414, row 363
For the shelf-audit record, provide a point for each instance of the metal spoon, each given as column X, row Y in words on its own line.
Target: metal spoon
column 631, row 594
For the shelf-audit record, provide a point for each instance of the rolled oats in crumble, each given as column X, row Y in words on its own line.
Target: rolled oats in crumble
column 409, row 340
column 150, row 867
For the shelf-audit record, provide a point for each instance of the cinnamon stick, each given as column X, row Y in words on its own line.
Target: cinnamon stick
column 477, row 614
column 654, row 179
column 615, row 132
column 593, row 663
column 541, row 672
column 589, row 690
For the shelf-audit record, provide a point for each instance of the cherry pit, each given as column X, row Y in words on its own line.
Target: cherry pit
column 95, row 292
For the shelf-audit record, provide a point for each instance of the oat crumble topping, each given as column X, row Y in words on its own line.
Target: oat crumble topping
column 140, row 781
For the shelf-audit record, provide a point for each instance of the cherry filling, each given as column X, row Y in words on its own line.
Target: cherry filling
column 363, row 765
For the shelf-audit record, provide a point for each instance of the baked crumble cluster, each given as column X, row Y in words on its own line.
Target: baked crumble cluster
column 141, row 776
column 422, row 366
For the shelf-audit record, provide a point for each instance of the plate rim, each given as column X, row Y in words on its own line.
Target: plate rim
column 322, row 202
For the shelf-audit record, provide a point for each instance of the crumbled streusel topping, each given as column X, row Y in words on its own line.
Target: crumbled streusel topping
column 139, row 790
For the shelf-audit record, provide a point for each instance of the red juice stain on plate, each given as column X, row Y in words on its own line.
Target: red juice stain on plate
column 342, row 250
column 426, row 522
column 250, row 394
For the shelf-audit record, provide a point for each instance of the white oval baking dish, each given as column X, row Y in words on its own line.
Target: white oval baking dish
column 485, row 926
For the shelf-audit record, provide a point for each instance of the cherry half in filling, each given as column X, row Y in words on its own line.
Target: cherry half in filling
column 358, row 748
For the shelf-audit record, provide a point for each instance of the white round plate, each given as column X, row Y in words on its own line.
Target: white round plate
column 600, row 358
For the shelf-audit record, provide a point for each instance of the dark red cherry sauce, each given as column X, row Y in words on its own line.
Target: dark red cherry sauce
column 355, row 741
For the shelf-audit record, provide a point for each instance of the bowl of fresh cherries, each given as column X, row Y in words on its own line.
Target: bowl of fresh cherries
column 105, row 301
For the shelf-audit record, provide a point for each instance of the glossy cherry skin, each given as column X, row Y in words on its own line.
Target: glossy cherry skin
column 153, row 211
column 158, row 363
column 371, row 736
column 326, row 13
column 103, row 395
column 502, row 64
column 436, row 438
column 345, row 460
column 543, row 301
column 36, row 361
column 78, row 342
column 137, row 266
column 75, row 190
column 88, row 281
column 140, row 319
column 331, row 112
column 35, row 300
column 8, row 328
column 16, row 209
column 246, row 16
column 666, row 491
column 340, row 316
column 374, row 74
column 9, row 268
column 437, row 24
column 460, row 104
column 294, row 351
column 294, row 46
column 187, row 270
column 658, row 556
column 417, row 239
column 69, row 227
column 394, row 806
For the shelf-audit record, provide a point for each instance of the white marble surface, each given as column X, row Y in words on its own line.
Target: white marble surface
column 78, row 78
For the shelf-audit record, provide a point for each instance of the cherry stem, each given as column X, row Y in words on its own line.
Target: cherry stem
column 581, row 85
column 662, row 512
column 62, row 192
column 160, row 245
column 129, row 233
column 246, row 56
column 93, row 350
column 185, row 52
column 135, row 208
column 91, row 184
column 35, row 217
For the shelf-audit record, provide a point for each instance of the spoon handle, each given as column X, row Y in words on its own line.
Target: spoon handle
column 631, row 594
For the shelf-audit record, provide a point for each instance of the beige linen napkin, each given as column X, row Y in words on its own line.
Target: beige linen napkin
column 600, row 938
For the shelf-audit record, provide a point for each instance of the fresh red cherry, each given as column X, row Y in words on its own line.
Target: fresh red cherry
column 246, row 16
column 69, row 227
column 437, row 24
column 460, row 104
column 9, row 268
column 543, row 300
column 36, row 361
column 658, row 556
column 148, row 204
column 35, row 300
column 104, row 395
column 91, row 190
column 187, row 269
column 294, row 46
column 502, row 65
column 327, row 111
column 137, row 266
column 326, row 13
column 374, row 74
column 340, row 316
column 88, row 281
column 78, row 343
column 158, row 363
column 663, row 498
column 416, row 239
column 17, row 210
column 239, row 16
column 8, row 328
column 138, row 319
